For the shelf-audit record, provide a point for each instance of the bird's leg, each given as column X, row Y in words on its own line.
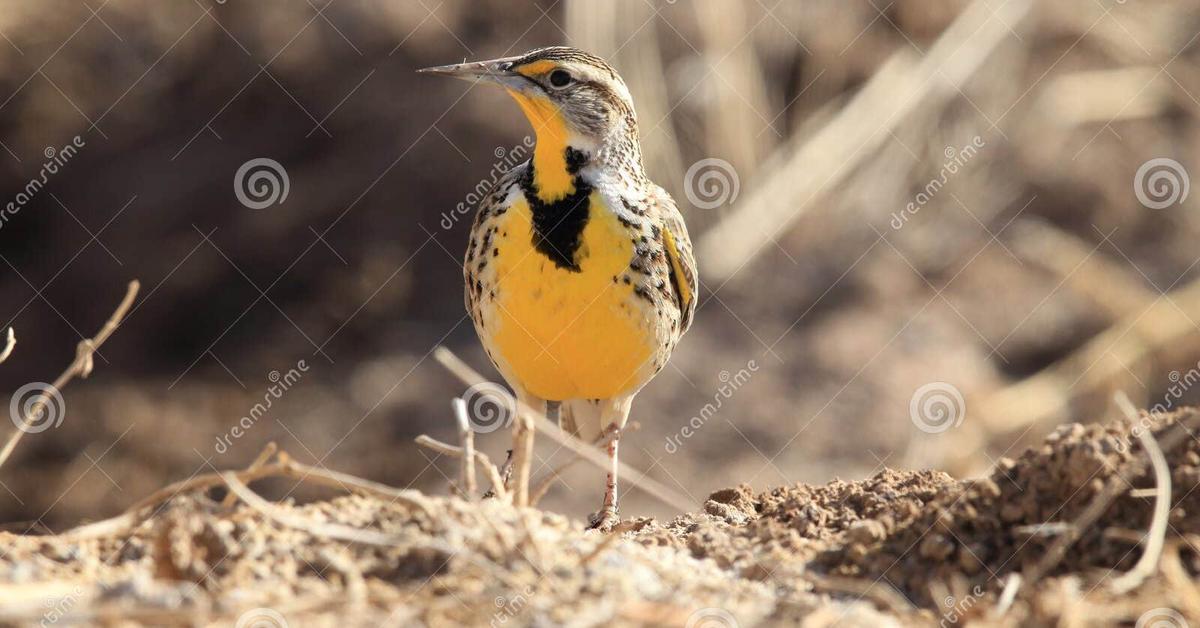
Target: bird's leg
column 609, row 515
column 613, row 415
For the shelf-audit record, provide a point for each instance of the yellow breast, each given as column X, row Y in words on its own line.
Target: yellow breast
column 564, row 334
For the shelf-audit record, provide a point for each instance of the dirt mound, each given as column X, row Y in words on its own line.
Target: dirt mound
column 899, row 548
column 939, row 541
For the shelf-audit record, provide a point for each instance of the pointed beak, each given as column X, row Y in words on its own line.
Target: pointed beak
column 498, row 71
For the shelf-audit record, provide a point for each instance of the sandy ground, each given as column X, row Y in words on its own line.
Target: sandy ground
column 899, row 548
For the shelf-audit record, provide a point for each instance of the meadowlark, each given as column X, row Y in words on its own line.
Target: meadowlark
column 579, row 271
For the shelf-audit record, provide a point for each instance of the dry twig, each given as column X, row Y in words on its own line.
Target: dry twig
column 1114, row 488
column 467, row 436
column 285, row 467
column 316, row 528
column 81, row 366
column 262, row 458
column 1148, row 563
column 490, row 469
column 8, row 345
column 1012, row 584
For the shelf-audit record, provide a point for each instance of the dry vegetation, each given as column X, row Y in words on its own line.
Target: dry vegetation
column 853, row 268
column 1049, row 538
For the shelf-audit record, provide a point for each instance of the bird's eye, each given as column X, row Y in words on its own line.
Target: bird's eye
column 560, row 78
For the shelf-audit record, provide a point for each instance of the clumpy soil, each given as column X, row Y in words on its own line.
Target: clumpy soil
column 900, row 548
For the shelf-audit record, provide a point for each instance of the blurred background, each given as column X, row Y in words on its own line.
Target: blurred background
column 928, row 232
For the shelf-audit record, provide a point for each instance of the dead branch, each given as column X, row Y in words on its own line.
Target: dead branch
column 82, row 367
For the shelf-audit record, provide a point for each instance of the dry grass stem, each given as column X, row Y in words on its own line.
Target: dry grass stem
column 522, row 459
column 315, row 528
column 1147, row 565
column 81, row 366
column 484, row 461
column 262, row 458
column 1012, row 584
column 1046, row 396
column 803, row 175
column 284, row 467
column 467, row 436
column 1110, row 285
column 651, row 486
column 9, row 343
column 543, row 487
column 1114, row 488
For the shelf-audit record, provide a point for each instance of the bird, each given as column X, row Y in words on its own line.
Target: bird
column 579, row 272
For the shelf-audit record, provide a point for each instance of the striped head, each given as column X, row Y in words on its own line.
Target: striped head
column 573, row 99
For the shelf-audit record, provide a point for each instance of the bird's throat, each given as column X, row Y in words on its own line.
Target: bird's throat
column 554, row 177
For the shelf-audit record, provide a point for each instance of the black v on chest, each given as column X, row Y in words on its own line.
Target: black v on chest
column 558, row 225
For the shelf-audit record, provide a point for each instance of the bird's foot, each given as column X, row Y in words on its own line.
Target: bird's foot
column 605, row 520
